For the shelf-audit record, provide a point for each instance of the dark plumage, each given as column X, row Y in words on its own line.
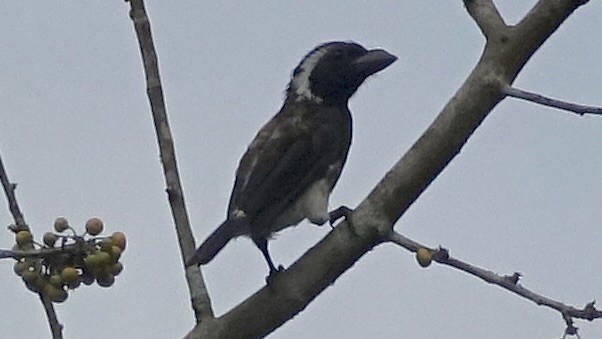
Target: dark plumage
column 292, row 165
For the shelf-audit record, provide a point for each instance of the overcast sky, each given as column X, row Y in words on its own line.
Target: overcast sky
column 77, row 136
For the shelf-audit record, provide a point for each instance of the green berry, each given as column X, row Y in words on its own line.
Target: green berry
column 23, row 238
column 50, row 239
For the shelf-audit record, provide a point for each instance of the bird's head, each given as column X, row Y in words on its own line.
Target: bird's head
column 333, row 71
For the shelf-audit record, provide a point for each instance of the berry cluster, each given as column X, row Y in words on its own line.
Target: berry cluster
column 65, row 259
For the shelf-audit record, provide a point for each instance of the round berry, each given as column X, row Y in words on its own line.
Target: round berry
column 119, row 240
column 104, row 259
column 61, row 224
column 50, row 239
column 424, row 257
column 23, row 238
column 86, row 278
column 92, row 260
column 30, row 274
column 116, row 268
column 94, row 226
column 69, row 275
column 20, row 267
column 106, row 245
column 56, row 280
column 105, row 279
column 54, row 294
column 115, row 253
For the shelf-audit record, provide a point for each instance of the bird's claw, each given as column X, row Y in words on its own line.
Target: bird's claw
column 341, row 212
column 273, row 274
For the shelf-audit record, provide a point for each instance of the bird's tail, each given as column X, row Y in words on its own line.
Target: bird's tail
column 217, row 240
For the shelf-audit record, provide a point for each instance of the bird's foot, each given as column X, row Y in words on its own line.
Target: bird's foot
column 341, row 212
column 273, row 274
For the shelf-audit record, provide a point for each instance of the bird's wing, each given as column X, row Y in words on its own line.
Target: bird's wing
column 280, row 164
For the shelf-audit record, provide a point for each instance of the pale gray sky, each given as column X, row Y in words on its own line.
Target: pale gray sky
column 76, row 134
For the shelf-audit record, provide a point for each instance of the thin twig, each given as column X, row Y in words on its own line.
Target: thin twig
column 570, row 329
column 43, row 252
column 508, row 282
column 55, row 326
column 196, row 286
column 9, row 189
column 550, row 102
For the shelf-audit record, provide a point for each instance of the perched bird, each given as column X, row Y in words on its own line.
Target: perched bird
column 292, row 165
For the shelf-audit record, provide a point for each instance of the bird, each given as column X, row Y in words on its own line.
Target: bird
column 290, row 168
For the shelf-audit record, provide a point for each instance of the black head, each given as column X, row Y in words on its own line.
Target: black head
column 333, row 71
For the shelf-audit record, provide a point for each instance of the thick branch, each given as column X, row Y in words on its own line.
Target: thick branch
column 9, row 190
column 292, row 290
column 508, row 282
column 547, row 101
column 442, row 141
column 547, row 11
column 196, row 286
column 487, row 17
column 541, row 22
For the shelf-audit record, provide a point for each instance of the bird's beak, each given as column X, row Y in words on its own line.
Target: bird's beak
column 373, row 61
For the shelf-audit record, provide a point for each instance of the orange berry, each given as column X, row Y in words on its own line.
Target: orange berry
column 94, row 226
column 119, row 240
column 424, row 257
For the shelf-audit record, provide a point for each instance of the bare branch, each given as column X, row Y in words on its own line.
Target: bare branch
column 55, row 327
column 487, row 17
column 508, row 282
column 9, row 190
column 545, row 11
column 42, row 252
column 13, row 206
column 570, row 329
column 294, row 288
column 196, row 285
column 550, row 102
column 500, row 64
column 541, row 21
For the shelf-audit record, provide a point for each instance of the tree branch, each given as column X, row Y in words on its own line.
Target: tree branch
column 372, row 221
column 546, row 11
column 55, row 327
column 9, row 190
column 508, row 282
column 42, row 252
column 13, row 206
column 539, row 23
column 201, row 303
column 550, row 102
column 487, row 17
column 442, row 141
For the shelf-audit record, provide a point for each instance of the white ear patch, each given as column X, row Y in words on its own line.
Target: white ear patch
column 300, row 82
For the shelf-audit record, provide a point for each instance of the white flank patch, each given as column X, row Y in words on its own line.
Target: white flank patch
column 315, row 200
column 312, row 204
column 300, row 81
